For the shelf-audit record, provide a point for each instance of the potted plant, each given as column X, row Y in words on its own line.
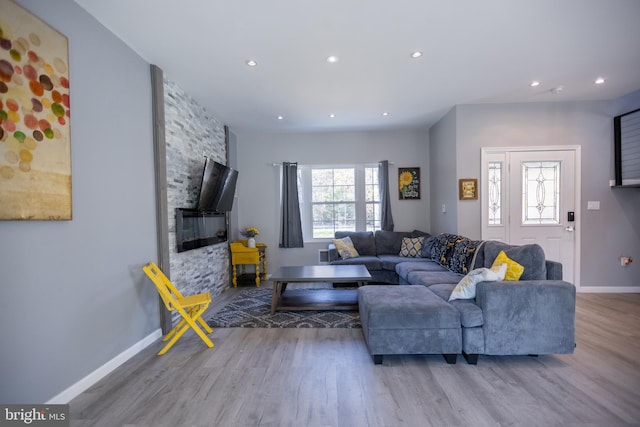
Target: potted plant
column 250, row 233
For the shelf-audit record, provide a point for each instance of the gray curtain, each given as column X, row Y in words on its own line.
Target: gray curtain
column 291, row 226
column 386, row 218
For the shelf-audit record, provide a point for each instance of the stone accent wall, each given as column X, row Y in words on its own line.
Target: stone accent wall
column 191, row 133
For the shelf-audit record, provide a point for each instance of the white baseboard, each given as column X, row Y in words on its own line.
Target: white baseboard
column 74, row 390
column 609, row 290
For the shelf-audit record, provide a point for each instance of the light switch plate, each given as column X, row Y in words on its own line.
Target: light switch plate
column 593, row 205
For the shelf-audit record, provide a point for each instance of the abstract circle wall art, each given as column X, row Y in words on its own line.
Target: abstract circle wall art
column 35, row 134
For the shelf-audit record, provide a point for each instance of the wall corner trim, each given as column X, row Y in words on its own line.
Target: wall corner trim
column 76, row 389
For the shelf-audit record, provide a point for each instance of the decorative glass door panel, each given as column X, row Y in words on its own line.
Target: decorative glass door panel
column 495, row 193
column 541, row 192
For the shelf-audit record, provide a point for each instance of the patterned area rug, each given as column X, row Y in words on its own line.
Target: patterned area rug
column 251, row 308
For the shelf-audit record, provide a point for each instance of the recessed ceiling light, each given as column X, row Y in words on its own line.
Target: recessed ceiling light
column 556, row 90
column 280, row 117
column 332, row 59
column 251, row 63
column 417, row 54
column 332, row 115
column 600, row 80
column 385, row 114
column 534, row 83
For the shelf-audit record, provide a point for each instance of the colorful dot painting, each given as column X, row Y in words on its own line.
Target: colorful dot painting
column 35, row 155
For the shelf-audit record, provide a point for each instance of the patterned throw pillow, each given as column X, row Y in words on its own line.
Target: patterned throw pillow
column 411, row 246
column 345, row 248
column 514, row 269
column 466, row 288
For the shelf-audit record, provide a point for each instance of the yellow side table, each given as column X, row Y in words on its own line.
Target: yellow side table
column 243, row 255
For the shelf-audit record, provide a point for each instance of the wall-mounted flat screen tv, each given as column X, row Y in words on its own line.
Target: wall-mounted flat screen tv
column 217, row 188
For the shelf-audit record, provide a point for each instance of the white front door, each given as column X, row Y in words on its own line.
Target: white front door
column 528, row 197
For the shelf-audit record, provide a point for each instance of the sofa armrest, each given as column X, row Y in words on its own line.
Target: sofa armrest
column 333, row 253
column 554, row 270
column 528, row 317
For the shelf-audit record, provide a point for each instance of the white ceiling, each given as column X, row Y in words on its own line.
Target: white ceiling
column 475, row 51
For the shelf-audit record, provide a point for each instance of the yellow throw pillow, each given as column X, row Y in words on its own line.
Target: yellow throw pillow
column 345, row 248
column 514, row 270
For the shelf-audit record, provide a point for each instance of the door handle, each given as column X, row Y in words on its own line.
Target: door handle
column 569, row 228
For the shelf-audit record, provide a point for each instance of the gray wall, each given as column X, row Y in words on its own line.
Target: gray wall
column 443, row 173
column 73, row 293
column 607, row 234
column 259, row 181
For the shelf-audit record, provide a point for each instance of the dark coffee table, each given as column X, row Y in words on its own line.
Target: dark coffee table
column 330, row 299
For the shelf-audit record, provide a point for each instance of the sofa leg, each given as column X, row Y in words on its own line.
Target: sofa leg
column 472, row 359
column 377, row 359
column 450, row 358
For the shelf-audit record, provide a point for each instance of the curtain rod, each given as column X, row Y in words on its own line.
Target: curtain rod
column 280, row 164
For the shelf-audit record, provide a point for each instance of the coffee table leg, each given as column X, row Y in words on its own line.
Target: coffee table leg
column 274, row 296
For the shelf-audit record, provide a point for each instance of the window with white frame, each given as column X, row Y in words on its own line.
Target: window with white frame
column 338, row 198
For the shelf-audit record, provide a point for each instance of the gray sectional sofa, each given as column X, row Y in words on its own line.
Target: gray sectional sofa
column 378, row 252
column 531, row 316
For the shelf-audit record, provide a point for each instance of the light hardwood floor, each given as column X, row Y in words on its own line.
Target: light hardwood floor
column 325, row 377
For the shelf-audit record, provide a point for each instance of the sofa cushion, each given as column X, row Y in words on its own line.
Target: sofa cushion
column 554, row 270
column 513, row 269
column 363, row 241
column 399, row 307
column 466, row 287
column 427, row 278
column 411, row 247
column 420, row 264
column 531, row 257
column 470, row 313
column 371, row 262
column 389, row 262
column 420, row 233
column 389, row 242
column 427, row 246
column 345, row 248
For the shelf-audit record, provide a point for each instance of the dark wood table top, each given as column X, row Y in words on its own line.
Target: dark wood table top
column 321, row 273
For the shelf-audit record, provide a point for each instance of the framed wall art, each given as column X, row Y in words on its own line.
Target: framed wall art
column 35, row 136
column 468, row 189
column 409, row 183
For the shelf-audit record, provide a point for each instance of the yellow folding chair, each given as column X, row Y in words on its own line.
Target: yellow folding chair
column 189, row 307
